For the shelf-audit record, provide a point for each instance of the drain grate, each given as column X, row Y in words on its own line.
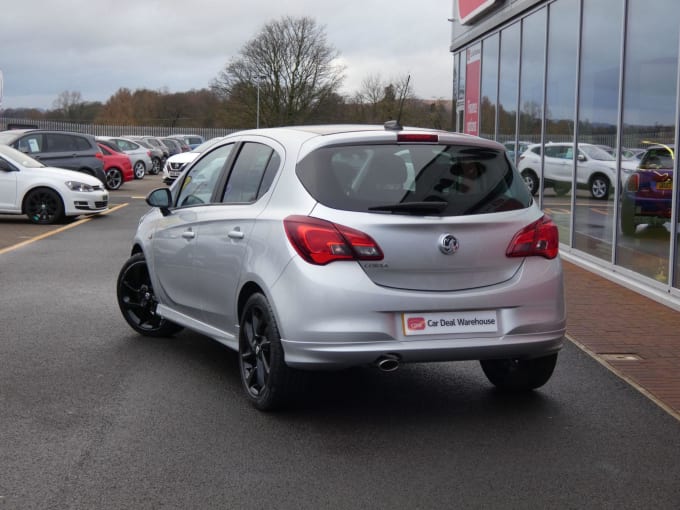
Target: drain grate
column 620, row 357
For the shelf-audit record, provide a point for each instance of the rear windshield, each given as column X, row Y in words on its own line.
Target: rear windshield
column 657, row 157
column 440, row 180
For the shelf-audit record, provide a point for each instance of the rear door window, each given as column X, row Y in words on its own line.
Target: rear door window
column 557, row 151
column 252, row 173
column 31, row 144
column 413, row 179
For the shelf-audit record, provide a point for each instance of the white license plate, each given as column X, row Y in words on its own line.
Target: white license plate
column 174, row 173
column 484, row 321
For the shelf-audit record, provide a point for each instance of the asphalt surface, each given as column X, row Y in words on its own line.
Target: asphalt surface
column 94, row 416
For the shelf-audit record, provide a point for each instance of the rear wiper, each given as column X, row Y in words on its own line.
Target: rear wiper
column 412, row 207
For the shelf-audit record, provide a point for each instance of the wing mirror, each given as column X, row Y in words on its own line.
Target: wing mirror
column 161, row 198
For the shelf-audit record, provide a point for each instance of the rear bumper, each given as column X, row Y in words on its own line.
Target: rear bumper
column 352, row 322
column 320, row 356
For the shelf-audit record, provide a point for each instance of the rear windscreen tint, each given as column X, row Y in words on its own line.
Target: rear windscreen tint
column 657, row 157
column 444, row 180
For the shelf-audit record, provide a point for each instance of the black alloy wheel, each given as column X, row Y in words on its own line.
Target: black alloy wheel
column 43, row 206
column 137, row 300
column 266, row 378
column 114, row 178
column 561, row 188
column 516, row 375
column 531, row 180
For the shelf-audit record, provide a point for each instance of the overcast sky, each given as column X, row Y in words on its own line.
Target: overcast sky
column 96, row 47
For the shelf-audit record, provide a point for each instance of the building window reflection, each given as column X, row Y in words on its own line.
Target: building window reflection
column 601, row 36
column 649, row 107
column 584, row 88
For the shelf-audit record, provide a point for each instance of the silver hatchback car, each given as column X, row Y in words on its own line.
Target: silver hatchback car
column 327, row 247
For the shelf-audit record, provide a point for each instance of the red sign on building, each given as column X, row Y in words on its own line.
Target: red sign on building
column 473, row 71
column 470, row 9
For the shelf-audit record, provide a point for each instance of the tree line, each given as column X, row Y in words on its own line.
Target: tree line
column 286, row 75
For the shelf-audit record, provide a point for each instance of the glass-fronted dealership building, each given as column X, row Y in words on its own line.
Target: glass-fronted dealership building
column 578, row 91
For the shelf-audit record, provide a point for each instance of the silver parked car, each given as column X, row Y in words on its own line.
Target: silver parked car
column 326, row 247
column 140, row 157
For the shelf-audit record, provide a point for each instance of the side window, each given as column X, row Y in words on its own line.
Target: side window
column 253, row 173
column 30, row 144
column 58, row 143
column 82, row 144
column 552, row 151
column 569, row 153
column 199, row 183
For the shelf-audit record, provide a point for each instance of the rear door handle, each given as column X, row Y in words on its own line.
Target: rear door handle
column 188, row 234
column 236, row 233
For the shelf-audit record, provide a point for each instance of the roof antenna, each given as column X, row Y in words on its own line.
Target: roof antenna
column 395, row 125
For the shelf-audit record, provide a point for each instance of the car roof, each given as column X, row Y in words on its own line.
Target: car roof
column 317, row 136
column 39, row 130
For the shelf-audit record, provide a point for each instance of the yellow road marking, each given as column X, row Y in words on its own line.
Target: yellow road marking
column 60, row 229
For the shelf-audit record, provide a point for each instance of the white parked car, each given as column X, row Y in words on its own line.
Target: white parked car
column 174, row 165
column 596, row 168
column 46, row 194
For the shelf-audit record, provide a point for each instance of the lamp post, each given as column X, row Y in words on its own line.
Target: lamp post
column 257, row 120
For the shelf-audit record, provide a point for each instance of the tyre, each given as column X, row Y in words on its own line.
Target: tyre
column 137, row 300
column 268, row 381
column 531, row 180
column 139, row 169
column 627, row 220
column 519, row 374
column 114, row 178
column 599, row 187
column 43, row 206
column 156, row 166
column 561, row 188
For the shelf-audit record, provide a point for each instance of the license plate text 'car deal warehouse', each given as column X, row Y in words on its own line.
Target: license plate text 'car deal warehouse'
column 449, row 322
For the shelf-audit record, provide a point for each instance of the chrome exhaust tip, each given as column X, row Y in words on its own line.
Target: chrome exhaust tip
column 388, row 363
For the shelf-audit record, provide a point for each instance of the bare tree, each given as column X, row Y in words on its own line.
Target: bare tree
column 292, row 68
column 69, row 105
column 380, row 101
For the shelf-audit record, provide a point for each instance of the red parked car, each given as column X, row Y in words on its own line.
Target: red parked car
column 117, row 167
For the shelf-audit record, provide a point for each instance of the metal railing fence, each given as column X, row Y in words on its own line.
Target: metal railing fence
column 112, row 130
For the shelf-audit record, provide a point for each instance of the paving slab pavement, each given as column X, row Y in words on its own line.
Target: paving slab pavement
column 635, row 336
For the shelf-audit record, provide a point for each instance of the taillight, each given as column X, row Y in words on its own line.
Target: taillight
column 541, row 238
column 99, row 155
column 633, row 183
column 321, row 242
